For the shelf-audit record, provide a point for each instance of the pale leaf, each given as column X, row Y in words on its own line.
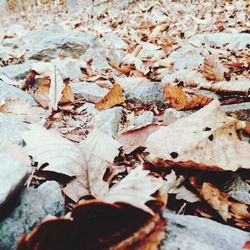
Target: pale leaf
column 49, row 147
column 206, row 139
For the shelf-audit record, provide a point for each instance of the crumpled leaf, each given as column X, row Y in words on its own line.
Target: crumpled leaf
column 181, row 101
column 99, row 151
column 206, row 139
column 112, row 98
column 174, row 186
column 213, row 69
column 135, row 189
column 58, row 91
column 104, row 226
column 221, row 202
column 46, row 146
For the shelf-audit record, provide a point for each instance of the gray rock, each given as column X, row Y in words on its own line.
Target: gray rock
column 17, row 71
column 190, row 232
column 148, row 92
column 13, row 174
column 34, row 205
column 146, row 118
column 11, row 129
column 171, row 115
column 242, row 110
column 89, row 91
column 11, row 92
column 238, row 189
column 50, row 43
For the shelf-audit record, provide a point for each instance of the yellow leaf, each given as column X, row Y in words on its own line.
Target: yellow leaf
column 67, row 95
column 112, row 98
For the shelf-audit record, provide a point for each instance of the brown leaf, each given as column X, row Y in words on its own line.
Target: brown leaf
column 67, row 95
column 97, row 225
column 136, row 138
column 122, row 69
column 213, row 69
column 181, row 101
column 112, row 98
column 206, row 139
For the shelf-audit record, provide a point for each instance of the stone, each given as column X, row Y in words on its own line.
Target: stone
column 231, row 41
column 146, row 118
column 190, row 232
column 171, row 115
column 146, row 92
column 55, row 41
column 32, row 207
column 106, row 120
column 89, row 91
column 10, row 92
column 112, row 40
column 11, row 129
column 17, row 71
column 13, row 174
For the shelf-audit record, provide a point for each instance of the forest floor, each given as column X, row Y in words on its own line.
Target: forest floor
column 125, row 125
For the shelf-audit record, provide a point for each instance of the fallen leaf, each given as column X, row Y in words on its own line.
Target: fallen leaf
column 99, row 151
column 135, row 189
column 103, row 225
column 206, row 139
column 112, row 98
column 181, row 101
column 56, row 89
column 174, row 186
column 61, row 155
column 136, row 138
column 213, row 69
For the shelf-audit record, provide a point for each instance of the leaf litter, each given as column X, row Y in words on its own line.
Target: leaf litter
column 116, row 186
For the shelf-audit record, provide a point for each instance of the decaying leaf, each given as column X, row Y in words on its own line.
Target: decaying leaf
column 112, row 98
column 220, row 201
column 174, row 186
column 213, row 69
column 181, row 101
column 99, row 151
column 61, row 155
column 136, row 138
column 206, row 139
column 135, row 189
column 56, row 90
column 103, row 225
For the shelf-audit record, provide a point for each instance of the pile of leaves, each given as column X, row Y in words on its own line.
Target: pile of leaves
column 116, row 186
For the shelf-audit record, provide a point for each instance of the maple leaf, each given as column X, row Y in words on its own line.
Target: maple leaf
column 181, row 101
column 206, row 139
column 112, row 98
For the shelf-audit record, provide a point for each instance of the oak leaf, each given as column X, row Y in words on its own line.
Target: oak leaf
column 112, row 98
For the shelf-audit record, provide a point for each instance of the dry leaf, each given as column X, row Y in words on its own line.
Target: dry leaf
column 181, row 101
column 99, row 151
column 136, row 138
column 174, row 186
column 57, row 89
column 112, row 98
column 220, row 201
column 103, row 225
column 124, row 69
column 135, row 189
column 49, row 147
column 213, row 69
column 206, row 139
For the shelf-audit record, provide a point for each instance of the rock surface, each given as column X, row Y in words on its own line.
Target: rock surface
column 13, row 174
column 191, row 232
column 33, row 206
